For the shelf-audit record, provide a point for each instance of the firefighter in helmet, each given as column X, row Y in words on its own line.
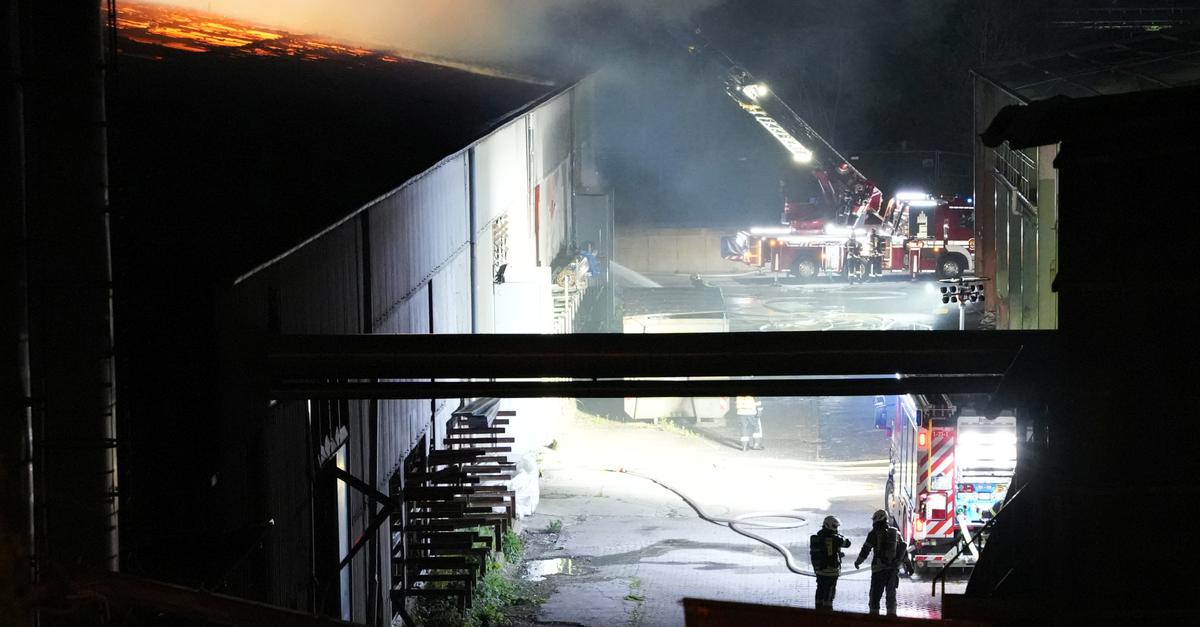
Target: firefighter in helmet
column 876, row 254
column 889, row 548
column 825, row 549
column 749, row 410
column 853, row 259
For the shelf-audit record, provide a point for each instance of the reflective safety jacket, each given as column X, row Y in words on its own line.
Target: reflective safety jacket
column 825, row 549
column 747, row 406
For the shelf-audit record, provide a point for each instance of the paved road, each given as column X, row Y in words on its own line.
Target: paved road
column 759, row 303
column 636, row 549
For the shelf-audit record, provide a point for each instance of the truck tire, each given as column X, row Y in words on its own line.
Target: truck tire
column 804, row 268
column 951, row 266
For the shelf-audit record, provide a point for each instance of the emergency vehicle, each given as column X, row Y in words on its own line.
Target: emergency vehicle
column 949, row 474
column 915, row 233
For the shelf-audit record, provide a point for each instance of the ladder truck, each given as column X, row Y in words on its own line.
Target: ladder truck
column 949, row 473
column 914, row 232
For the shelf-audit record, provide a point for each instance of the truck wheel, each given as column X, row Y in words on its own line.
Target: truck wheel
column 951, row 266
column 804, row 269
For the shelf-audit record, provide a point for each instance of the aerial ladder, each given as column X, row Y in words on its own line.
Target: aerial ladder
column 847, row 196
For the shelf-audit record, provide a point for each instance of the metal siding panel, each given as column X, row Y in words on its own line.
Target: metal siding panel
column 552, row 128
column 286, row 475
column 414, row 231
column 501, row 190
column 501, row 173
column 552, row 163
column 482, row 298
column 401, row 422
column 319, row 284
column 1047, row 237
column 452, row 296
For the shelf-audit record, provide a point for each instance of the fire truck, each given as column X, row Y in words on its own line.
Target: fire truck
column 949, row 474
column 913, row 232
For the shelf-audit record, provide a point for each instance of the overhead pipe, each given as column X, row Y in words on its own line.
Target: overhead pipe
column 619, row 388
column 595, row 356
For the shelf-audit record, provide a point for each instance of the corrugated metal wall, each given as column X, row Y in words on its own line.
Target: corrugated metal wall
column 415, row 231
column 501, row 201
column 417, row 254
column 552, row 136
column 1017, row 249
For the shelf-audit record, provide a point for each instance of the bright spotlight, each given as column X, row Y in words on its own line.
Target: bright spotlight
column 802, row 157
column 755, row 91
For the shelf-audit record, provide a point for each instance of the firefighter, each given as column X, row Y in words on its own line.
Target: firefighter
column 876, row 251
column 825, row 549
column 853, row 261
column 890, row 550
column 749, row 414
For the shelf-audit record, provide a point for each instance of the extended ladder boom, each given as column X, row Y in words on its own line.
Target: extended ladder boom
column 849, row 194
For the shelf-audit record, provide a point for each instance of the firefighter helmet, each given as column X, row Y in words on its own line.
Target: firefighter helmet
column 831, row 523
column 878, row 516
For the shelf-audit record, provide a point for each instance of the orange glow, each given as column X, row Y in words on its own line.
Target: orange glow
column 191, row 31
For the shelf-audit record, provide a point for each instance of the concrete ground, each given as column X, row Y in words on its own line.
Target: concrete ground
column 614, row 549
column 757, row 302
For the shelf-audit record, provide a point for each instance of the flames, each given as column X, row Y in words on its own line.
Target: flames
column 190, row 31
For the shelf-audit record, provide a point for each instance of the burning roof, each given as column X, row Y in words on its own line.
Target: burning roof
column 260, row 137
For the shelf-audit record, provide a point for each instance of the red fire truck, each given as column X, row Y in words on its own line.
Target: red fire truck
column 949, row 475
column 914, row 234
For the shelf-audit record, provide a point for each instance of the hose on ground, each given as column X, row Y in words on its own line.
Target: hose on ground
column 740, row 523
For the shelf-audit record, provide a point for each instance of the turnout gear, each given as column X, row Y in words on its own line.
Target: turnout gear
column 890, row 550
column 749, row 414
column 825, row 550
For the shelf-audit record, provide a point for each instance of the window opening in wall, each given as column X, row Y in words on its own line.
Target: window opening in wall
column 329, row 420
column 499, row 245
column 343, row 535
column 331, row 537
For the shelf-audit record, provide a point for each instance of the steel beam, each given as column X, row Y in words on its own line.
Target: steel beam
column 967, row 384
column 614, row 356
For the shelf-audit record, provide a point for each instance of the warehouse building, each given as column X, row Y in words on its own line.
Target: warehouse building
column 266, row 183
column 1016, row 191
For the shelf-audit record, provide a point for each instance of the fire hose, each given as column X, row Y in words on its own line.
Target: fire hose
column 740, row 523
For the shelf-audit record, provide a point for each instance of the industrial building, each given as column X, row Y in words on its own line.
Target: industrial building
column 387, row 224
column 268, row 183
column 1017, row 199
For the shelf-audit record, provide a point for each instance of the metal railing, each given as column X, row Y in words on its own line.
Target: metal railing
column 971, row 540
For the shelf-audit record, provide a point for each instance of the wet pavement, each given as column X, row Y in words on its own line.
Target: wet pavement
column 897, row 302
column 618, row 549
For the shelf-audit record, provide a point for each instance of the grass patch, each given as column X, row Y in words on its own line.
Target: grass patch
column 636, row 597
column 499, row 589
column 555, row 526
column 513, row 547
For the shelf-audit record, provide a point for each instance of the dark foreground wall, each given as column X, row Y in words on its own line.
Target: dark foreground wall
column 1103, row 530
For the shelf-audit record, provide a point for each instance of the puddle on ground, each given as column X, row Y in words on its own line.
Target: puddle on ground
column 537, row 570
